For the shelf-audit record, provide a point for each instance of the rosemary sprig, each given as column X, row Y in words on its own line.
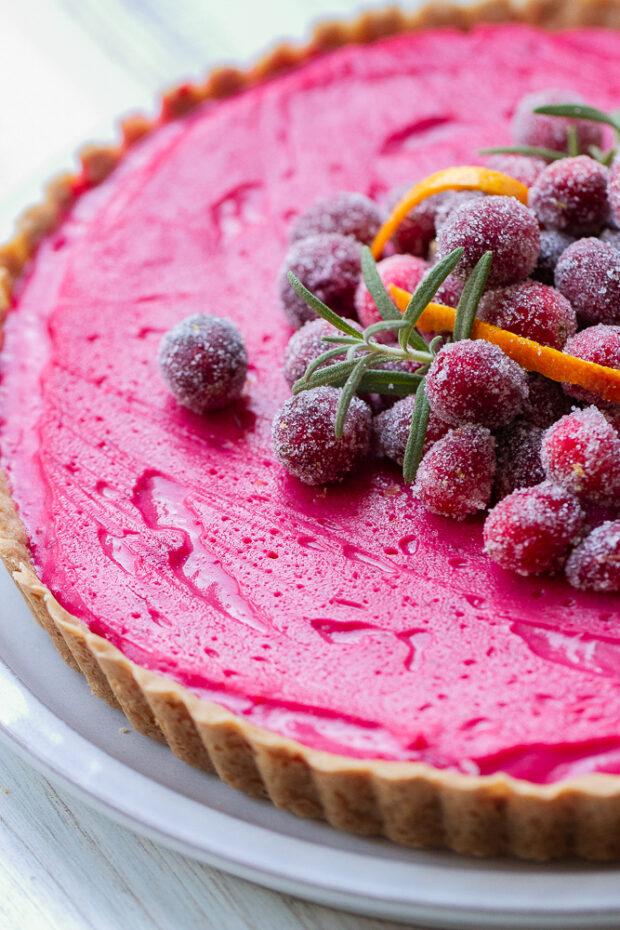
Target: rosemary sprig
column 579, row 111
column 470, row 298
column 319, row 307
column 417, row 434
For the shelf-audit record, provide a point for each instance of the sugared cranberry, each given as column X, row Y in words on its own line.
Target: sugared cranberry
column 533, row 529
column 503, row 225
column 530, row 309
column 329, row 266
column 204, row 362
column 304, row 440
column 474, row 382
column 307, row 344
column 349, row 214
column 391, row 429
column 455, row 477
column 523, row 168
column 600, row 344
column 550, row 132
column 518, row 458
column 552, row 244
column 588, row 274
column 614, row 190
column 417, row 230
column 611, row 237
column 581, row 452
column 546, row 402
column 404, row 271
column 450, row 291
column 450, row 201
column 571, row 195
column 595, row 564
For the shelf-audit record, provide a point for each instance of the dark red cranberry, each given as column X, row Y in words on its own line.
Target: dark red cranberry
column 595, row 564
column 517, row 451
column 455, row 477
column 204, row 362
column 581, row 452
column 304, row 440
column 552, row 244
column 523, row 168
column 546, row 402
column 391, row 429
column 614, row 190
column 501, row 224
column 533, row 529
column 417, row 230
column 530, row 309
column 450, row 291
column 450, row 201
column 550, row 132
column 404, row 271
column 348, row 214
column 600, row 344
column 588, row 274
column 307, row 344
column 571, row 195
column 475, row 382
column 329, row 266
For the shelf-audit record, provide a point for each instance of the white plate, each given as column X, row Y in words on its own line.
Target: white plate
column 48, row 713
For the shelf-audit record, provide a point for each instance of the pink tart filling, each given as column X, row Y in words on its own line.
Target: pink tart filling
column 345, row 617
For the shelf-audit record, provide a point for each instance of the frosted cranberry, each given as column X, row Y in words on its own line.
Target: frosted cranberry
column 304, row 440
column 450, row 201
column 588, row 274
column 611, row 237
column 501, row 224
column 450, row 291
column 600, row 344
column 523, row 168
column 474, row 382
column 329, row 266
column 349, row 214
column 533, row 529
column 552, row 244
column 455, row 477
column 581, row 452
column 204, row 362
column 417, row 230
column 595, row 564
column 571, row 195
column 550, row 132
column 546, row 402
column 307, row 344
column 391, row 429
column 530, row 309
column 404, row 271
column 518, row 458
column 614, row 190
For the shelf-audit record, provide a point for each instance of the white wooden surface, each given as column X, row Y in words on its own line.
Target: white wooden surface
column 67, row 69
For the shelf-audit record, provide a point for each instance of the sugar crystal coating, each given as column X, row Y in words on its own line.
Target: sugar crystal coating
column 329, row 266
column 613, row 190
column 533, row 529
column 523, row 168
column 475, row 382
column 306, row 344
column 611, row 237
column 600, row 344
column 404, row 271
column 204, row 361
column 518, row 457
column 550, row 132
column 450, row 201
column 594, row 565
column 552, row 244
column 304, row 441
column 530, row 309
column 346, row 213
column 416, row 232
column 455, row 477
column 588, row 274
column 581, row 452
column 502, row 225
column 546, row 402
column 571, row 195
column 391, row 429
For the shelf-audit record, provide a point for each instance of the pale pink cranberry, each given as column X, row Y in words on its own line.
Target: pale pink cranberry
column 502, row 225
column 391, row 429
column 600, row 344
column 404, row 271
column 523, row 168
column 613, row 190
column 517, row 451
column 552, row 244
column 595, row 564
column 307, row 344
column 533, row 529
column 530, row 309
column 417, row 230
column 455, row 477
column 546, row 402
column 304, row 440
column 345, row 213
column 550, row 132
column 588, row 274
column 571, row 195
column 475, row 382
column 581, row 452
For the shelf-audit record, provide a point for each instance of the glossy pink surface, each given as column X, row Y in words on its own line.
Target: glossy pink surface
column 344, row 617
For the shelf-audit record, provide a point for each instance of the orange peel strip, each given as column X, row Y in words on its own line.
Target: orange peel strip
column 462, row 178
column 529, row 354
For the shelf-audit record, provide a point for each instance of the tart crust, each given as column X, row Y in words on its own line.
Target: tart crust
column 408, row 802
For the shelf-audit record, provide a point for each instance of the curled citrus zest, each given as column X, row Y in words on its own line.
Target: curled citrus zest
column 461, row 178
column 558, row 366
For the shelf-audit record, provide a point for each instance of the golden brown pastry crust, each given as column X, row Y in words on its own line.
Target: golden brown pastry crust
column 410, row 803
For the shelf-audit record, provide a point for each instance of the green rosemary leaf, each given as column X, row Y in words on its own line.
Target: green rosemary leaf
column 341, row 340
column 548, row 154
column 378, row 381
column 330, row 375
column 320, row 359
column 435, row 344
column 350, row 387
column 572, row 142
column 383, row 302
column 579, row 111
column 424, row 294
column 322, row 309
column 417, row 435
column 470, row 298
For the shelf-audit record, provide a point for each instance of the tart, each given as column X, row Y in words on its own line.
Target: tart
column 335, row 649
